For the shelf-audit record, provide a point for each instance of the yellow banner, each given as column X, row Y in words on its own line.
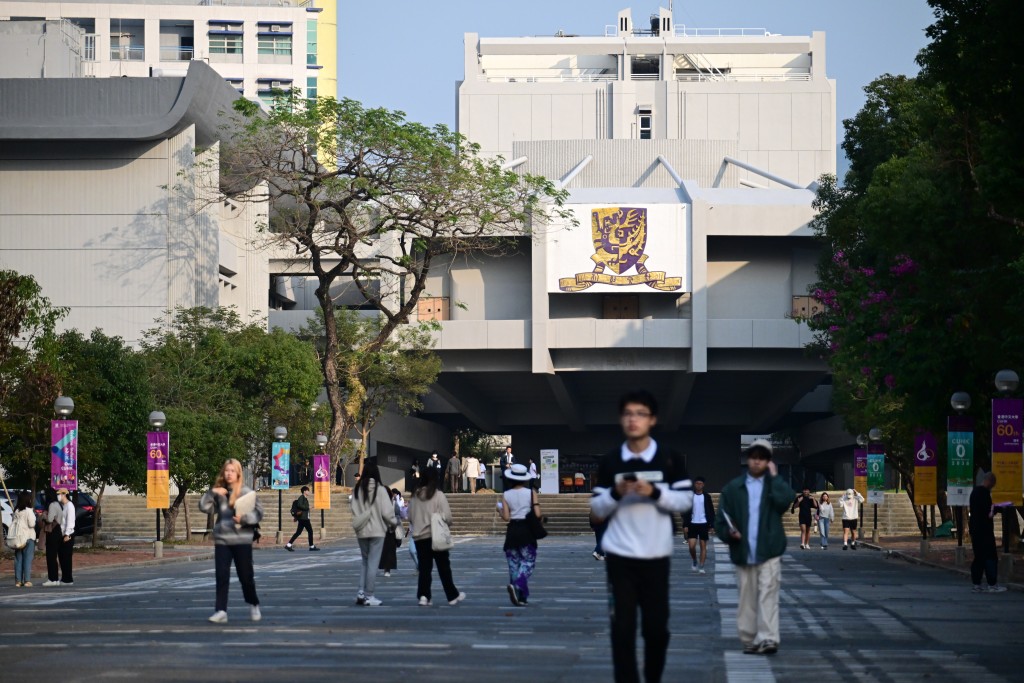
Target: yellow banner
column 158, row 491
column 1008, row 470
column 860, row 485
column 321, row 496
column 655, row 280
column 925, row 486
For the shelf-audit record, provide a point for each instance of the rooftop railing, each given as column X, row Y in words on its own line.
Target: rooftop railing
column 744, row 78
column 611, row 31
column 554, row 78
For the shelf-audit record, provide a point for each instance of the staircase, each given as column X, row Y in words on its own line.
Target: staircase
column 126, row 517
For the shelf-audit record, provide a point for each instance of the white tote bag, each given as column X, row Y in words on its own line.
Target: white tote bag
column 440, row 534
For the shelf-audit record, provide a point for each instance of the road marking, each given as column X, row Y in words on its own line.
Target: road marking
column 741, row 668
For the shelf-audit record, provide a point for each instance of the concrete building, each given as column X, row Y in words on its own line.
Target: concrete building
column 256, row 45
column 104, row 199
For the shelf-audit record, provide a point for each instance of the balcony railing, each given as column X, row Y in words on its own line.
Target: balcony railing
column 554, row 78
column 176, row 54
column 744, row 78
column 128, row 53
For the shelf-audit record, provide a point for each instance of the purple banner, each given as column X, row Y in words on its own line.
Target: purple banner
column 64, row 454
column 158, row 450
column 925, row 447
column 1006, row 425
column 860, row 462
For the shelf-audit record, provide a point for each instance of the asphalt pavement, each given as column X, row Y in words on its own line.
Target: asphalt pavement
column 855, row 615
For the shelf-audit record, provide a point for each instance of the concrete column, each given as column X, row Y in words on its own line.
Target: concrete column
column 700, row 216
column 541, row 356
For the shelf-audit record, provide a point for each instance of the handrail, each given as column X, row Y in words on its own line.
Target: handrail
column 763, row 77
column 681, row 31
column 560, row 78
column 127, row 53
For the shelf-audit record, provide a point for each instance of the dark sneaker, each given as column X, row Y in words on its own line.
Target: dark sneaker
column 513, row 595
column 289, row 548
column 360, row 599
column 312, row 548
column 751, row 648
column 768, row 647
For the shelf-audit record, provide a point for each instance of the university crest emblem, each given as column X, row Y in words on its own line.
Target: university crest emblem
column 620, row 237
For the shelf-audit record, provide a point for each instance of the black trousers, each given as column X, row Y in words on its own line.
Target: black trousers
column 65, row 554
column 303, row 524
column 54, row 539
column 428, row 557
column 639, row 584
column 242, row 556
column 985, row 558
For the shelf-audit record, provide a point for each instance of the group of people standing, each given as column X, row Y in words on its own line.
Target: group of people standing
column 821, row 513
column 55, row 528
column 450, row 473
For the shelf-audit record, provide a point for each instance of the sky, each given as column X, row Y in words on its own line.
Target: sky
column 408, row 54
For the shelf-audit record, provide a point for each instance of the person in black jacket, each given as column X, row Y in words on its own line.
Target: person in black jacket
column 697, row 522
column 983, row 537
column 639, row 487
column 300, row 513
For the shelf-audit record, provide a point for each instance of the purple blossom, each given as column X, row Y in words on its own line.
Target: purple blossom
column 833, row 328
column 866, row 272
column 839, row 256
column 904, row 265
column 834, row 346
column 865, row 370
column 878, row 337
column 890, row 381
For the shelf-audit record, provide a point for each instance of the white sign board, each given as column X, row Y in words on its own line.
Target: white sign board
column 621, row 248
column 549, row 471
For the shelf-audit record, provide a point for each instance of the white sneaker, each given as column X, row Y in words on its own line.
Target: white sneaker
column 701, row 571
column 462, row 596
column 51, row 583
column 372, row 601
column 997, row 589
column 424, row 601
column 219, row 617
column 387, row 574
column 254, row 612
column 693, row 567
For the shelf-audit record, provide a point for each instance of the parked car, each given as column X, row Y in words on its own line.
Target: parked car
column 85, row 511
column 8, row 519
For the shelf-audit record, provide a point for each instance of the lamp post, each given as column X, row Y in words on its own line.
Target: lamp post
column 154, row 455
column 960, row 465
column 860, row 480
column 64, row 446
column 321, row 443
column 1007, row 425
column 876, row 475
column 280, row 434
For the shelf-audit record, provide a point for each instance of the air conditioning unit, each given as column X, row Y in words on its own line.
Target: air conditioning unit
column 276, row 84
column 275, row 27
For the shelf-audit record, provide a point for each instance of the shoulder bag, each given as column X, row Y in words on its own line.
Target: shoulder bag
column 535, row 523
column 440, row 534
column 14, row 534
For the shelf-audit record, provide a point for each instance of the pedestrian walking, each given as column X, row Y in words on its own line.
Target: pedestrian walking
column 426, row 502
column 435, row 471
column 471, row 468
column 300, row 513
column 850, row 503
column 983, row 537
column 392, row 540
column 808, row 508
column 697, row 523
column 233, row 535
column 825, row 516
column 54, row 537
column 520, row 543
column 751, row 507
column 373, row 515
column 534, row 476
column 481, row 477
column 23, row 536
column 454, row 470
column 66, row 549
column 505, row 463
column 639, row 487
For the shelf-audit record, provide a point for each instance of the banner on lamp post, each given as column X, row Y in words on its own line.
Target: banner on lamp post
column 860, row 471
column 960, row 460
column 321, row 482
column 1007, row 455
column 876, row 476
column 280, row 465
column 64, row 454
column 158, row 454
column 925, row 469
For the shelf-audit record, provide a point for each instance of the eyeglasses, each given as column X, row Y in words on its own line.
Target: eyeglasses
column 641, row 415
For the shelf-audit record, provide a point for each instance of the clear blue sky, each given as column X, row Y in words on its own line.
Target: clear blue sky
column 407, row 54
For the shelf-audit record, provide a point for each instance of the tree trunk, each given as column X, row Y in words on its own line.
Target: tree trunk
column 188, row 527
column 364, row 433
column 97, row 513
column 339, row 424
column 171, row 514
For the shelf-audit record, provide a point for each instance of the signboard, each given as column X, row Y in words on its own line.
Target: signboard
column 860, row 471
column 876, row 477
column 621, row 249
column 960, row 460
column 1007, row 454
column 64, row 454
column 321, row 482
column 158, row 452
column 280, row 465
column 925, row 469
column 549, row 471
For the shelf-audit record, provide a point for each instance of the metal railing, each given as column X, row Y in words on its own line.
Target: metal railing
column 644, row 77
column 170, row 53
column 259, row 3
column 681, row 31
column 127, row 53
column 556, row 78
column 743, row 78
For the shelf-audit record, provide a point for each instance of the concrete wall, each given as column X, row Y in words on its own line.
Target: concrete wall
column 40, row 49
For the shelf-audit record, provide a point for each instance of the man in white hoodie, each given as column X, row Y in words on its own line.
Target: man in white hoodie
column 850, row 503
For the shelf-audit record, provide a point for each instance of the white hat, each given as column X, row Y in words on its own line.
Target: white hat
column 763, row 444
column 518, row 472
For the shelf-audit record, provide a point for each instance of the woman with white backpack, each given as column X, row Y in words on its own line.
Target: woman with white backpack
column 22, row 538
column 373, row 517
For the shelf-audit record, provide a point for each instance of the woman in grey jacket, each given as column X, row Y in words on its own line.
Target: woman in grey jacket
column 232, row 537
column 373, row 516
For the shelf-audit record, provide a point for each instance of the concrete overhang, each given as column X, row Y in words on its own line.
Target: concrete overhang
column 116, row 108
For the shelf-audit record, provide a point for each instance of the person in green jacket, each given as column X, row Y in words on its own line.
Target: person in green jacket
column 752, row 506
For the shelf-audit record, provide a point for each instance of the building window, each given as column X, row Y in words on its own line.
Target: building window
column 311, row 41
column 279, row 46
column 223, row 44
column 621, row 307
column 645, row 122
column 311, row 87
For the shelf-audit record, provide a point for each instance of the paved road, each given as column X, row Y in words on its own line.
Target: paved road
column 850, row 614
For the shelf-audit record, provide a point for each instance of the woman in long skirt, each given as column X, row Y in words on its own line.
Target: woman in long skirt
column 520, row 543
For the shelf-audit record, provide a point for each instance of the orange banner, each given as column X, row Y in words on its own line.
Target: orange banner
column 925, row 486
column 1008, row 470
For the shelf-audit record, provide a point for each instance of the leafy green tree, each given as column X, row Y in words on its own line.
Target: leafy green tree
column 369, row 200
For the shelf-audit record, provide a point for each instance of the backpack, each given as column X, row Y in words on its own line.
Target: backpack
column 295, row 509
column 17, row 539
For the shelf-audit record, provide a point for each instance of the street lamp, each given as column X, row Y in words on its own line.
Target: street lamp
column 960, row 458
column 876, row 468
column 1007, row 381
column 862, row 440
column 321, row 443
column 64, row 406
column 280, row 433
column 157, row 420
column 960, row 402
column 1007, row 425
column 64, row 446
